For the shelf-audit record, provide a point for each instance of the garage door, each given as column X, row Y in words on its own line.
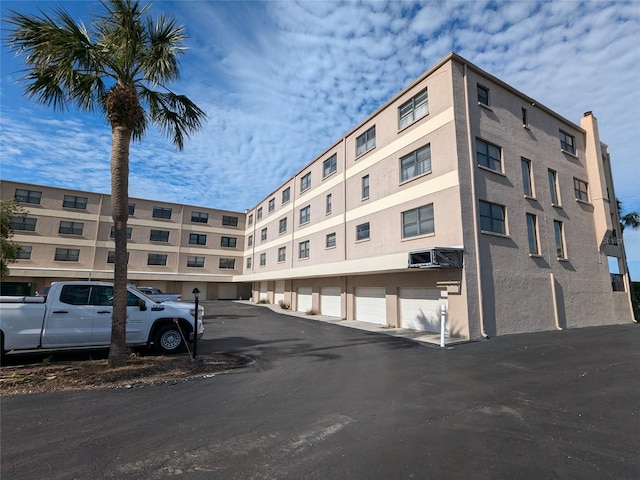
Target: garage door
column 420, row 308
column 330, row 303
column 279, row 297
column 227, row 291
column 304, row 299
column 371, row 305
column 263, row 291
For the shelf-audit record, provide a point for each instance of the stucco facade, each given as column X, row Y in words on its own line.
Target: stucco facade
column 459, row 192
column 490, row 147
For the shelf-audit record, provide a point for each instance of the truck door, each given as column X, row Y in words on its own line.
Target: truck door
column 102, row 300
column 69, row 318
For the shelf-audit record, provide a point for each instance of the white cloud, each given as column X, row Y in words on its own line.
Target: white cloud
column 282, row 81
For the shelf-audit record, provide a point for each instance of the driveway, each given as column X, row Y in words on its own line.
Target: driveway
column 327, row 402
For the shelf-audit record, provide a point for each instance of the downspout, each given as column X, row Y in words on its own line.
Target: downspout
column 474, row 206
column 556, row 314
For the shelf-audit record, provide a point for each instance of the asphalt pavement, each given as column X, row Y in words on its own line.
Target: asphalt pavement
column 326, row 402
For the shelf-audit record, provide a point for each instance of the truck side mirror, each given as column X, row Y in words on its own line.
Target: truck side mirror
column 142, row 304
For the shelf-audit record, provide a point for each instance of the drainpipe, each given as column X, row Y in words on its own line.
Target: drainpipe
column 474, row 205
column 554, row 297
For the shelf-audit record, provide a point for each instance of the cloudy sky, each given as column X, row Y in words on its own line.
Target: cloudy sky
column 281, row 81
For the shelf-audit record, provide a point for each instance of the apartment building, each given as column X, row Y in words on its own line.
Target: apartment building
column 68, row 234
column 460, row 192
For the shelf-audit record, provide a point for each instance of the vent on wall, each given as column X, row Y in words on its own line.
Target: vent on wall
column 436, row 258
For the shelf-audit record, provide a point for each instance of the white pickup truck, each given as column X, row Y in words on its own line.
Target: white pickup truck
column 78, row 314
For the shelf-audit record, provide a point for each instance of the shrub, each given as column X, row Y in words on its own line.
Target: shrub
column 283, row 305
column 264, row 301
column 312, row 312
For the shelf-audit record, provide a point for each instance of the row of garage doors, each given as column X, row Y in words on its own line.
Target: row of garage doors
column 419, row 307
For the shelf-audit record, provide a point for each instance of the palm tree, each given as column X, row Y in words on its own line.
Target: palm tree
column 115, row 68
column 629, row 220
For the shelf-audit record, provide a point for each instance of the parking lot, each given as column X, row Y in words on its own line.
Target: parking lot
column 326, row 402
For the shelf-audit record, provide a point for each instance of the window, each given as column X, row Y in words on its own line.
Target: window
column 492, row 218
column 230, row 242
column 263, row 259
column 230, row 221
column 305, row 214
column 160, row 212
column 159, row 236
column 365, row 187
column 250, row 240
column 71, row 201
column 483, row 95
column 195, row 262
column 28, row 196
column 259, row 216
column 24, row 253
column 199, row 217
column 71, row 228
column 272, row 205
column 418, row 221
column 532, row 233
column 525, row 118
column 156, row 259
column 559, row 237
column 263, row 235
column 362, row 231
column 75, row 294
column 303, row 249
column 113, row 232
column 286, row 195
column 581, row 189
column 227, row 263
column 197, row 239
column 328, row 204
column 282, row 225
column 413, row 110
column 67, row 255
column 131, row 208
column 111, row 256
column 567, row 142
column 251, row 219
column 330, row 240
column 249, row 262
column 416, row 163
column 553, row 187
column 488, row 155
column 527, row 184
column 305, row 182
column 282, row 254
column 23, row 223
column 330, row 165
column 366, row 141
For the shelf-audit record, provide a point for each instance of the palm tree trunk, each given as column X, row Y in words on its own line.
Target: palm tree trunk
column 121, row 138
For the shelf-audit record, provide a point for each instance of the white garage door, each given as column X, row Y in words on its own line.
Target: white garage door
column 371, row 305
column 263, row 291
column 227, row 291
column 420, row 308
column 304, row 299
column 330, row 303
column 279, row 297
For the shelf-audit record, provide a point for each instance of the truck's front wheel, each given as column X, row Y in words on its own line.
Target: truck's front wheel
column 169, row 340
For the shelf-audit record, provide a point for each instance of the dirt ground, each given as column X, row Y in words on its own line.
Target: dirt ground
column 49, row 376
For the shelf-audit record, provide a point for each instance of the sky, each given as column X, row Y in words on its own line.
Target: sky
column 281, row 81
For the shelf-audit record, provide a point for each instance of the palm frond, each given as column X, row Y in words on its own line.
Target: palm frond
column 175, row 115
column 59, row 53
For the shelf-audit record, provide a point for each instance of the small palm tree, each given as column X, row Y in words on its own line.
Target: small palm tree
column 115, row 68
column 628, row 220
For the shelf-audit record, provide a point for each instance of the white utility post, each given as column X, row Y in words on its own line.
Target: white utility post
column 443, row 322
